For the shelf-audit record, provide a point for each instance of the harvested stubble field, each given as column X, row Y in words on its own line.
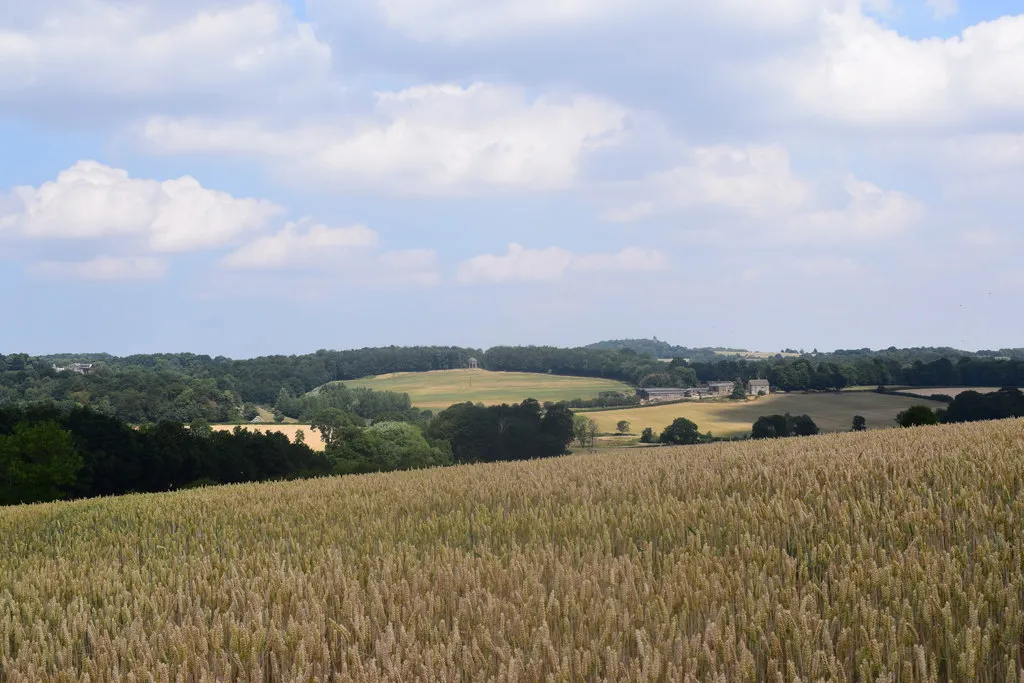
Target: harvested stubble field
column 832, row 412
column 443, row 388
column 313, row 438
column 890, row 555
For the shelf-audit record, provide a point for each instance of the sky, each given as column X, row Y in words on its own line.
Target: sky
column 251, row 177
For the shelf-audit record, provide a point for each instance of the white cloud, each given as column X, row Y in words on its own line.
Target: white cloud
column 553, row 263
column 301, row 244
column 755, row 180
column 437, row 139
column 750, row 195
column 346, row 255
column 92, row 201
column 106, row 53
column 102, row 268
column 863, row 73
column 870, row 214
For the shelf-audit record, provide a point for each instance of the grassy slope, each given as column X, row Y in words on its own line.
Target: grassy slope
column 753, row 561
column 438, row 390
column 831, row 412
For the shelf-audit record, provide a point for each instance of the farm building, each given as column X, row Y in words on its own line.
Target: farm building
column 721, row 388
column 664, row 395
column 661, row 395
column 759, row 386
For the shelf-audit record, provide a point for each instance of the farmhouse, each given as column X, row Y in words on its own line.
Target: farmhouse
column 77, row 368
column 759, row 386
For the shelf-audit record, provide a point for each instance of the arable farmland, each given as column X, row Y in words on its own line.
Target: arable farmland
column 832, row 412
column 313, row 438
column 441, row 389
column 890, row 555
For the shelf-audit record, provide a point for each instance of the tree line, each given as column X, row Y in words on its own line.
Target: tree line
column 47, row 453
column 147, row 389
column 51, row 453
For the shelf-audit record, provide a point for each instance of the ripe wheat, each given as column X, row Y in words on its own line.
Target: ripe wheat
column 895, row 556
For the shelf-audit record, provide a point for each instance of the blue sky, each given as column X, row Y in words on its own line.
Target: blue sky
column 246, row 177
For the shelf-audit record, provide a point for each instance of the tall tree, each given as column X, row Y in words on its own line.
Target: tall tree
column 681, row 432
column 38, row 463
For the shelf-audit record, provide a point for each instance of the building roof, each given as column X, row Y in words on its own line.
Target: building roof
column 759, row 383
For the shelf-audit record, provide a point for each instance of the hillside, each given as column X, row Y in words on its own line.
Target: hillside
column 660, row 349
column 856, row 556
column 832, row 412
column 439, row 390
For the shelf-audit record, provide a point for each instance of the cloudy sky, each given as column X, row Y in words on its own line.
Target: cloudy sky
column 246, row 177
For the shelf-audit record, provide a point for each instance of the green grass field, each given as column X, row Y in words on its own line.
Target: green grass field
column 438, row 390
column 831, row 412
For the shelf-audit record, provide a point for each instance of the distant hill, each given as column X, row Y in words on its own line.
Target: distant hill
column 661, row 349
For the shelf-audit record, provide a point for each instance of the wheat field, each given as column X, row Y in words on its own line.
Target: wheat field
column 442, row 388
column 893, row 555
column 833, row 412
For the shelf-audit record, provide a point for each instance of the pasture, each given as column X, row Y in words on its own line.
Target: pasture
column 889, row 555
column 441, row 389
column 832, row 412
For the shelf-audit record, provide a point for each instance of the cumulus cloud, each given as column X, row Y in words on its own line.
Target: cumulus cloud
column 92, row 201
column 301, row 244
column 863, row 73
column 102, row 268
column 755, row 180
column 870, row 213
column 348, row 254
column 757, row 196
column 553, row 263
column 151, row 52
column 436, row 139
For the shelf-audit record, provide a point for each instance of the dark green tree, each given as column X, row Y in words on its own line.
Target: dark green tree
column 859, row 424
column 38, row 463
column 647, row 435
column 738, row 392
column 803, row 425
column 332, row 424
column 770, row 427
column 916, row 416
column 623, row 427
column 681, row 432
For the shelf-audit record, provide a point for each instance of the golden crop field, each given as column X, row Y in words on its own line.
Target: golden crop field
column 441, row 389
column 313, row 438
column 832, row 412
column 892, row 555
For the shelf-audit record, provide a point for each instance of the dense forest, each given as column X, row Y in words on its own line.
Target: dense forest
column 147, row 389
